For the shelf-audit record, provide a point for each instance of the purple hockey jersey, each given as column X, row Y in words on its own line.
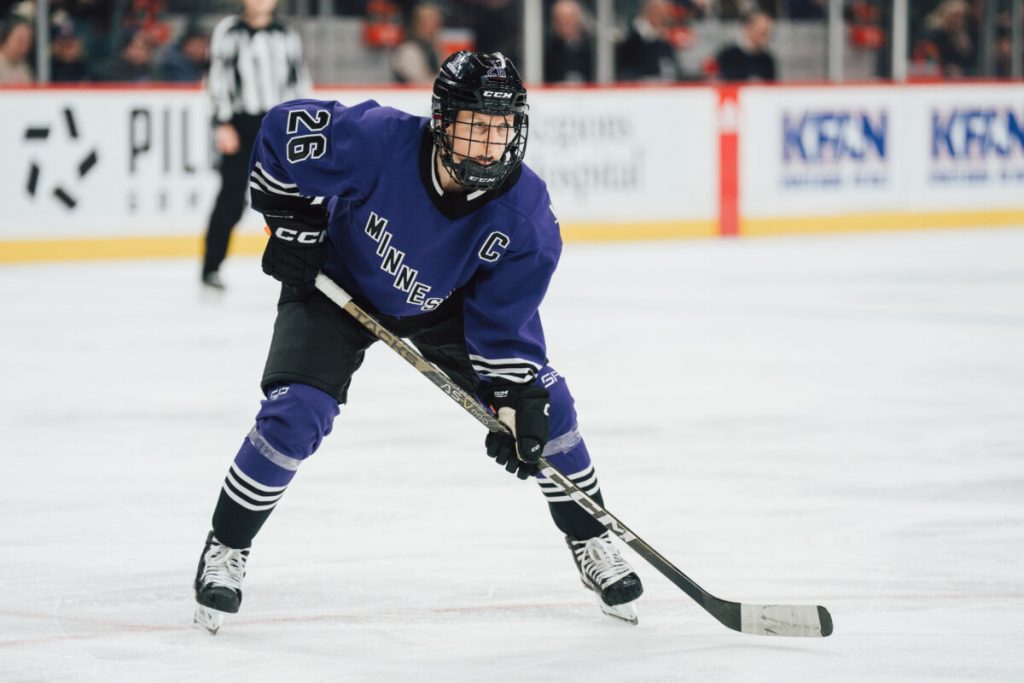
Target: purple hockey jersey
column 398, row 242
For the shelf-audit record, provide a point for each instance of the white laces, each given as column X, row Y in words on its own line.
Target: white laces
column 600, row 560
column 224, row 566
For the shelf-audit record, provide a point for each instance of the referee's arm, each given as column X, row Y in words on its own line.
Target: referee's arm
column 298, row 70
column 222, row 71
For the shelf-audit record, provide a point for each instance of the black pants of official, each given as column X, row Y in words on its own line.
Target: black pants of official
column 234, row 182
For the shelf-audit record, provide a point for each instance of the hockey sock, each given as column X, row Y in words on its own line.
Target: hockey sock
column 572, row 520
column 289, row 427
column 569, row 517
column 244, row 503
column 567, row 453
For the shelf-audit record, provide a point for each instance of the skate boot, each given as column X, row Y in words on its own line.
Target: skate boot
column 213, row 282
column 218, row 583
column 604, row 571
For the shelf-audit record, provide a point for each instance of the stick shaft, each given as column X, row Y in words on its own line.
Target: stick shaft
column 484, row 416
column 728, row 613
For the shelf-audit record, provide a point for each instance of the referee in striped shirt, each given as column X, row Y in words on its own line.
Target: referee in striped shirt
column 255, row 63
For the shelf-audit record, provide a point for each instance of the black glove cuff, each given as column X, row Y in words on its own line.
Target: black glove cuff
column 300, row 231
column 531, row 404
column 508, row 395
column 297, row 247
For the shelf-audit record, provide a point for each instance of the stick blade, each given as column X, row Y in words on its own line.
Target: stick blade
column 807, row 621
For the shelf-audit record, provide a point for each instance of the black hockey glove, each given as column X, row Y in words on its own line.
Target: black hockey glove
column 524, row 409
column 297, row 247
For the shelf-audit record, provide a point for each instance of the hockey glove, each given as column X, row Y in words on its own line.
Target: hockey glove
column 524, row 410
column 297, row 247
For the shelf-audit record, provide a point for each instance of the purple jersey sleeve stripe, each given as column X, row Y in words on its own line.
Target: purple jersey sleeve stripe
column 272, row 181
column 498, row 363
column 518, row 370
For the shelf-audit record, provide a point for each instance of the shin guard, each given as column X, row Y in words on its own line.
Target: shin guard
column 291, row 423
column 567, row 453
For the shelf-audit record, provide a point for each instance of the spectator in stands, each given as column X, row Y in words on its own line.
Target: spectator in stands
column 569, row 50
column 807, row 10
column 748, row 59
column 415, row 60
column 18, row 9
column 68, row 61
column 15, row 45
column 94, row 22
column 646, row 54
column 186, row 60
column 689, row 10
column 1003, row 53
column 497, row 25
column 730, row 10
column 350, row 8
column 131, row 64
column 953, row 38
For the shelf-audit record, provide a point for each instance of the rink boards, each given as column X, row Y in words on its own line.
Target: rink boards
column 109, row 173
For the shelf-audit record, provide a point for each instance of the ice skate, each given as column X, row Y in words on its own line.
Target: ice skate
column 211, row 288
column 211, row 281
column 218, row 583
column 604, row 571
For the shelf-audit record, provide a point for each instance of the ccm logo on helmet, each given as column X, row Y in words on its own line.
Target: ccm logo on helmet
column 498, row 95
column 302, row 237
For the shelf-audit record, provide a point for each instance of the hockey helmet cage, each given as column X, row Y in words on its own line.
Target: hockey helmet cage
column 479, row 82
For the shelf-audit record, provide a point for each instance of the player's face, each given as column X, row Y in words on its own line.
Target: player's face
column 480, row 137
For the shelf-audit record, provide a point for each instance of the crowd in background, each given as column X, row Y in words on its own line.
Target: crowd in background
column 97, row 41
column 156, row 41
column 949, row 37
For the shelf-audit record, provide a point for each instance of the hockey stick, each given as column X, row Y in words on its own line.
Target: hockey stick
column 763, row 620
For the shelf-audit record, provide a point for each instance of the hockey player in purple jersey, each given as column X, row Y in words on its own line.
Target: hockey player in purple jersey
column 438, row 228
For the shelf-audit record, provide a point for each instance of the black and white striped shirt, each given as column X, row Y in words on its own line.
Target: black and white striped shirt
column 251, row 70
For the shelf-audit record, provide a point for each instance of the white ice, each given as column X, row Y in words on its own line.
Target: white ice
column 835, row 420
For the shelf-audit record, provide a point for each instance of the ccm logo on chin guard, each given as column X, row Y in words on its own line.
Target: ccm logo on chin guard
column 307, row 237
column 498, row 95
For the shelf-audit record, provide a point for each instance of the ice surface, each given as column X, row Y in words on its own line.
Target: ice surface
column 834, row 420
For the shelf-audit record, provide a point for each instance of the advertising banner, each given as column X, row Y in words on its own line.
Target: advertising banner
column 885, row 157
column 971, row 145
column 620, row 163
column 810, row 152
column 613, row 156
column 124, row 163
column 609, row 156
column 628, row 155
column 105, row 163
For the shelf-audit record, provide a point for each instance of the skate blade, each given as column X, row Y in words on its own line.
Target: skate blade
column 210, row 296
column 208, row 618
column 625, row 612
